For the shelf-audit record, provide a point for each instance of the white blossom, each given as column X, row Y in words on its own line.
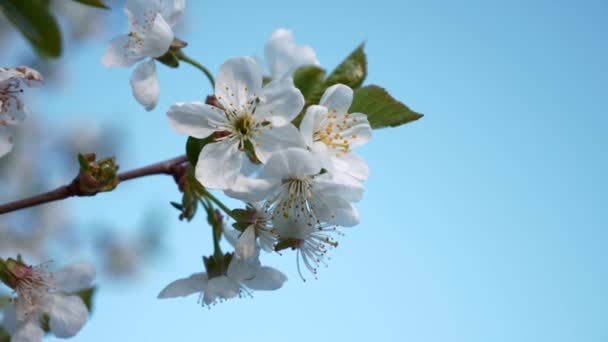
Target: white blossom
column 40, row 292
column 304, row 203
column 243, row 272
column 12, row 108
column 283, row 56
column 252, row 119
column 331, row 131
column 150, row 36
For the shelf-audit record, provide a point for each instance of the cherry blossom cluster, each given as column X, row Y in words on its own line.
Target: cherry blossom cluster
column 299, row 183
column 44, row 298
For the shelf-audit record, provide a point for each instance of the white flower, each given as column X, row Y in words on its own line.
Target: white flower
column 255, row 216
column 12, row 108
column 244, row 271
column 284, row 57
column 304, row 203
column 252, row 120
column 331, row 132
column 151, row 34
column 40, row 292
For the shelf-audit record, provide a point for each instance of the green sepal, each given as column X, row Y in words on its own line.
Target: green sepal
column 169, row 59
column 215, row 267
column 194, row 147
column 37, row 24
column 381, row 108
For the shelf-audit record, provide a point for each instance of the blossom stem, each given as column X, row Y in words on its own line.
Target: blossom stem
column 217, row 202
column 173, row 167
column 182, row 57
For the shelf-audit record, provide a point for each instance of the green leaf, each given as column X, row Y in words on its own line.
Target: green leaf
column 194, row 147
column 307, row 79
column 381, row 108
column 93, row 3
column 351, row 72
column 36, row 23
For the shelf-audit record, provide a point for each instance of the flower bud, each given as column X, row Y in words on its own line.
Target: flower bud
column 97, row 175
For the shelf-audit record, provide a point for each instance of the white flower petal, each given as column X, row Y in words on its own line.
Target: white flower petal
column 74, row 277
column 292, row 162
column 231, row 235
column 240, row 270
column 308, row 124
column 29, row 331
column 195, row 119
column 280, row 102
column 351, row 191
column 68, row 315
column 352, row 164
column 221, row 287
column 271, row 139
column 219, row 164
column 197, row 282
column 335, row 210
column 250, row 189
column 157, row 39
column 266, row 279
column 118, row 53
column 283, row 56
column 246, row 246
column 238, row 81
column 145, row 84
column 7, row 141
column 172, row 10
column 337, row 98
column 360, row 131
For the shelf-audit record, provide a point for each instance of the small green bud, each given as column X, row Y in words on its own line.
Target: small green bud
column 97, row 175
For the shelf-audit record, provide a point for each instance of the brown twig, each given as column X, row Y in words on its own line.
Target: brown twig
column 172, row 167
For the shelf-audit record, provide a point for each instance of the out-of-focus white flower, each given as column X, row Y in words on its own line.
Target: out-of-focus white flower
column 40, row 292
column 283, row 56
column 150, row 35
column 331, row 131
column 244, row 271
column 252, row 119
column 12, row 108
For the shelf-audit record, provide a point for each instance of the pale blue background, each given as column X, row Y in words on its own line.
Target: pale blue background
column 484, row 221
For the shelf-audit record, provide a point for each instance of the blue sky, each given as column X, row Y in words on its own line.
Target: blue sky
column 484, row 221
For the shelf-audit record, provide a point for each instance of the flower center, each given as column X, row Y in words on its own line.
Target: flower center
column 244, row 125
column 333, row 132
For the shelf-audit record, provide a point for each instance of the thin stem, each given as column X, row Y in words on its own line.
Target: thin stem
column 218, row 203
column 182, row 57
column 167, row 167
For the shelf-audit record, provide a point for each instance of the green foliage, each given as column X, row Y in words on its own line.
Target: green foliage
column 93, row 3
column 351, row 72
column 381, row 108
column 37, row 24
column 307, row 79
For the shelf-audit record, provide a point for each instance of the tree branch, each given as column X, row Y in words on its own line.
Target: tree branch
column 172, row 167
